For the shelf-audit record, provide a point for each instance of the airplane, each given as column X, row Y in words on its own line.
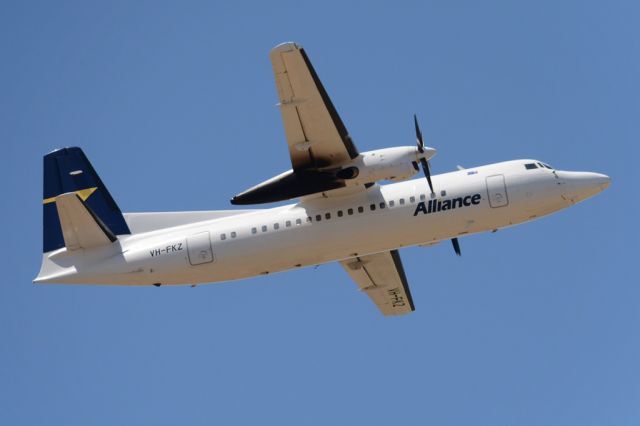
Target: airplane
column 343, row 211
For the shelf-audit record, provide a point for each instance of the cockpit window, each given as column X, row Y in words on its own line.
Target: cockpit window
column 530, row 166
column 541, row 165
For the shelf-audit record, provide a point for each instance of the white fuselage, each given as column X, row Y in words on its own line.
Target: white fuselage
column 277, row 239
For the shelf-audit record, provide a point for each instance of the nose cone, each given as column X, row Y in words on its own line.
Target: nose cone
column 603, row 181
column 426, row 153
column 582, row 185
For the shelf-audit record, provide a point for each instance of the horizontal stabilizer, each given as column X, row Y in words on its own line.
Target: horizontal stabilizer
column 69, row 170
column 81, row 228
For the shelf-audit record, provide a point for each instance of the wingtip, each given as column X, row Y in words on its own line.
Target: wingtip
column 287, row 46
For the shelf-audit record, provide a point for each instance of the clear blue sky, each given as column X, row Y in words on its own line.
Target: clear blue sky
column 174, row 105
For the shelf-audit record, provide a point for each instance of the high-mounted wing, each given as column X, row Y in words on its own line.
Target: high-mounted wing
column 382, row 277
column 319, row 145
column 316, row 135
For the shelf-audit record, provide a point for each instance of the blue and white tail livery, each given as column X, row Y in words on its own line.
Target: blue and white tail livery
column 342, row 210
column 68, row 174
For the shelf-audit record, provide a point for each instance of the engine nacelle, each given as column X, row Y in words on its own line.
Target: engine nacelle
column 393, row 164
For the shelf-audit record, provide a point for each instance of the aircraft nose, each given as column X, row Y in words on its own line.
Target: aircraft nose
column 582, row 185
column 604, row 181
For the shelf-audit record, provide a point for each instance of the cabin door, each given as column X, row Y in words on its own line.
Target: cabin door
column 497, row 191
column 199, row 248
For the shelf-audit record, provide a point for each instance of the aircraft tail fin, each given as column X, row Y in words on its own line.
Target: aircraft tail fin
column 78, row 210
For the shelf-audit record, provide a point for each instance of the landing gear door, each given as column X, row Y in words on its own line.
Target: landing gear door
column 199, row 248
column 497, row 191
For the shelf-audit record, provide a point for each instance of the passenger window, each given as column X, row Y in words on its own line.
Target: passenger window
column 288, row 224
column 402, row 201
column 382, row 205
column 360, row 209
column 298, row 221
column 422, row 197
column 309, row 219
column 233, row 234
column 412, row 199
column 443, row 193
column 327, row 216
column 264, row 228
column 276, row 226
column 339, row 213
column 223, row 237
column 392, row 203
column 318, row 218
column 530, row 166
column 350, row 212
column 372, row 207
column 254, row 230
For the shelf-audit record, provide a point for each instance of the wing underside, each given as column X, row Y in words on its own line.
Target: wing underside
column 318, row 141
column 382, row 277
column 316, row 135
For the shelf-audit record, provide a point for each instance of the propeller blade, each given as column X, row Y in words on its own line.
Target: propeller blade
column 456, row 246
column 418, row 134
column 423, row 161
column 427, row 172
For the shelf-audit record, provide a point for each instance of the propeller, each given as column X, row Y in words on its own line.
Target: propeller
column 456, row 246
column 427, row 173
column 423, row 161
